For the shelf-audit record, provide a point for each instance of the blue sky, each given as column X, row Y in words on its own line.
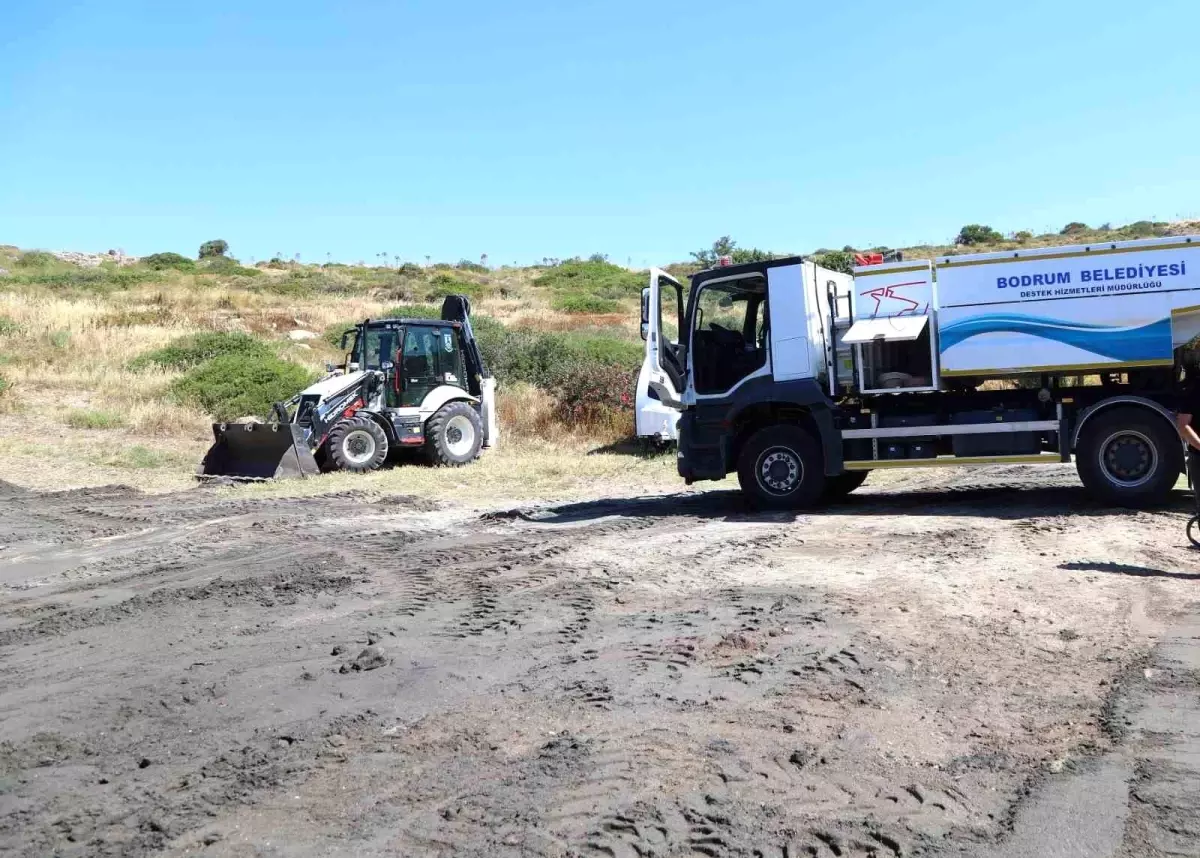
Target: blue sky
column 638, row 129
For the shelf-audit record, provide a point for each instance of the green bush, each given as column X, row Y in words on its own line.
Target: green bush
column 6, row 387
column 35, row 259
column 234, row 385
column 226, row 265
column 1074, row 228
column 1023, row 236
column 538, row 357
column 598, row 279
column 447, row 284
column 413, row 311
column 216, row 247
column 585, row 304
column 1144, row 229
column 8, row 327
column 835, row 260
column 82, row 418
column 164, row 261
column 726, row 246
column 193, row 350
column 974, row 233
column 595, row 396
column 93, row 280
column 468, row 265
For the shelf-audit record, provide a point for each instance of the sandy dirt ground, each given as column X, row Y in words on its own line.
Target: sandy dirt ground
column 968, row 662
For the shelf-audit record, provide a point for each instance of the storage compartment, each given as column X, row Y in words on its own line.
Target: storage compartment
column 893, row 421
column 999, row 443
column 922, row 450
column 856, row 450
column 897, row 365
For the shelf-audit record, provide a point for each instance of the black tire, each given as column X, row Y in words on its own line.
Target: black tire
column 446, row 443
column 781, row 467
column 1129, row 457
column 837, row 488
column 358, row 445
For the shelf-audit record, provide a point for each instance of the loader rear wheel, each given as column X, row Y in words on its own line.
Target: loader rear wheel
column 453, row 435
column 358, row 444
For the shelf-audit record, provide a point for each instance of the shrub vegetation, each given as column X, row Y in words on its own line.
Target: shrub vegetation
column 190, row 351
column 238, row 385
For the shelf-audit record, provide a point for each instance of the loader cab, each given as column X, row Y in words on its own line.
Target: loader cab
column 415, row 356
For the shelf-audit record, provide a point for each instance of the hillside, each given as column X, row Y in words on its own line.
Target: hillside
column 103, row 357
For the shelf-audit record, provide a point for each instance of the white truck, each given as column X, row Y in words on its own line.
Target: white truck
column 802, row 380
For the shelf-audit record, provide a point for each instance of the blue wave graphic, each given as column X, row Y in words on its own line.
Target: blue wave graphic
column 1148, row 342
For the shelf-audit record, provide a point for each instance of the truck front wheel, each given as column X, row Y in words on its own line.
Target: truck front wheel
column 1129, row 457
column 781, row 467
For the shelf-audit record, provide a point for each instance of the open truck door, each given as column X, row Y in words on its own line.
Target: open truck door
column 662, row 378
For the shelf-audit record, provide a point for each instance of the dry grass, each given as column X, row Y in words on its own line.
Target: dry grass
column 516, row 471
column 67, row 358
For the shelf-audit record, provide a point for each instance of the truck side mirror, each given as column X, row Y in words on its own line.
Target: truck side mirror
column 645, row 330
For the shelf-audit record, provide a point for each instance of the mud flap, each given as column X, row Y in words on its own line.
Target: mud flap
column 258, row 451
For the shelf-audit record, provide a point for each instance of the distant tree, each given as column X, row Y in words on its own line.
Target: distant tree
column 726, row 246
column 163, row 261
column 708, row 257
column 598, row 257
column 216, row 247
column 974, row 233
column 1074, row 227
column 835, row 260
column 1144, row 229
column 1023, row 236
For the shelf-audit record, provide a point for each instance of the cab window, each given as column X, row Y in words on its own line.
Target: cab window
column 729, row 336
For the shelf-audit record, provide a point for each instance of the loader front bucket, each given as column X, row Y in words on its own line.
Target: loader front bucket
column 258, row 451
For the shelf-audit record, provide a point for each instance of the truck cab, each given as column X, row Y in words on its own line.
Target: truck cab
column 753, row 356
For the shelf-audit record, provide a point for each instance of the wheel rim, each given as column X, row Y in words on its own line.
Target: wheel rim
column 358, row 446
column 460, row 435
column 779, row 470
column 1128, row 458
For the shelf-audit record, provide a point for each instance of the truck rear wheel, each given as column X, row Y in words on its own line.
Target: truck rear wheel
column 1129, row 457
column 781, row 467
column 358, row 444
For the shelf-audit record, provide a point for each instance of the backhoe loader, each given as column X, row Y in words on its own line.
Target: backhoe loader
column 417, row 384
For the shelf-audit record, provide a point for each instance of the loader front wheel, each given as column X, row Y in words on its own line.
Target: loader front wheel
column 453, row 435
column 358, row 444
